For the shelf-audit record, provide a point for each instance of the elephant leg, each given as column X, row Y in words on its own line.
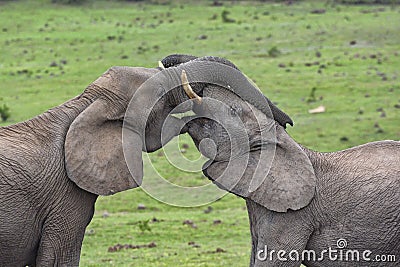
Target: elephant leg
column 64, row 229
column 60, row 244
column 254, row 236
column 59, row 249
column 278, row 239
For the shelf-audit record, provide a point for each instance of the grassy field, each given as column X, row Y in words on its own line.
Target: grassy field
column 315, row 53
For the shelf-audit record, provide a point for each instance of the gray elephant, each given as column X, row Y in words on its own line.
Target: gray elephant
column 53, row 167
column 319, row 209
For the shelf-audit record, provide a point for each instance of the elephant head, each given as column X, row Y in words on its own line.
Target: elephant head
column 251, row 154
column 126, row 114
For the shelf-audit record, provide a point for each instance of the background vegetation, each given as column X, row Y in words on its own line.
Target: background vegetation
column 302, row 54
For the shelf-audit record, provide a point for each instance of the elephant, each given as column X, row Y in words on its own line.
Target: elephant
column 55, row 165
column 320, row 209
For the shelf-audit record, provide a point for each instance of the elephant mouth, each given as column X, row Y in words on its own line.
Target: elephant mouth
column 255, row 147
column 260, row 144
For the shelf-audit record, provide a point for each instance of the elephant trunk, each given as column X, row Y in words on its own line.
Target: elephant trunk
column 244, row 89
column 224, row 75
column 176, row 59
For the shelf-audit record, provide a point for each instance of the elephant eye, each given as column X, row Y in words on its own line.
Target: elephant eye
column 235, row 110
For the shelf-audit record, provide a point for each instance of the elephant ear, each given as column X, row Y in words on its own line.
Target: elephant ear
column 285, row 174
column 94, row 155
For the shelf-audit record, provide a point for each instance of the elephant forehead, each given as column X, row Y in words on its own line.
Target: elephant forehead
column 223, row 94
column 226, row 99
column 125, row 80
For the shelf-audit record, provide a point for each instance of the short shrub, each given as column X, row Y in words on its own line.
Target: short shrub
column 225, row 18
column 4, row 112
column 274, row 52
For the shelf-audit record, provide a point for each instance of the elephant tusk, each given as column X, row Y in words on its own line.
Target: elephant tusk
column 188, row 89
column 160, row 65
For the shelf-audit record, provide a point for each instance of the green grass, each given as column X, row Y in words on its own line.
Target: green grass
column 349, row 54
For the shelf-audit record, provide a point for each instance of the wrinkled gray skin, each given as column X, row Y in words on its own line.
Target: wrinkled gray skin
column 53, row 167
column 308, row 200
column 43, row 214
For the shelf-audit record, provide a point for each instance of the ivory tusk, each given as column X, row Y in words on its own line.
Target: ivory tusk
column 188, row 89
column 160, row 65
